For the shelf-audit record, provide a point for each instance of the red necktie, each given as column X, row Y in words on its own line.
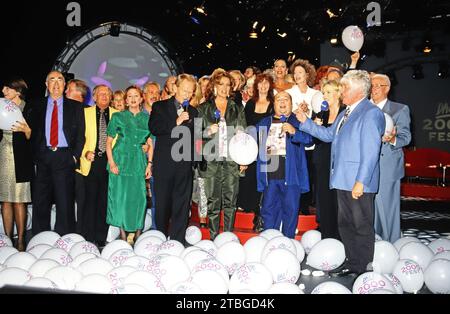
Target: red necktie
column 54, row 126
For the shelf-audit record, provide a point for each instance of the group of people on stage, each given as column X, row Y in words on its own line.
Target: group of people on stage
column 109, row 157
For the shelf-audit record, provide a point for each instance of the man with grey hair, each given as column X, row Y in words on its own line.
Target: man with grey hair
column 57, row 141
column 152, row 94
column 387, row 201
column 356, row 143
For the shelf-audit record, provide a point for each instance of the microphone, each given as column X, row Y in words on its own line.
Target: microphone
column 283, row 119
column 217, row 115
column 323, row 108
column 185, row 105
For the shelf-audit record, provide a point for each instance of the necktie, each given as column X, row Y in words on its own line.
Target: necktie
column 102, row 132
column 346, row 114
column 54, row 126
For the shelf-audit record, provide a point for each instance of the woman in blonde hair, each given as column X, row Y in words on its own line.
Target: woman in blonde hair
column 326, row 199
column 128, row 165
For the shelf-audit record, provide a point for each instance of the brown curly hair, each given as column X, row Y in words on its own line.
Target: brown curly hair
column 309, row 69
column 215, row 80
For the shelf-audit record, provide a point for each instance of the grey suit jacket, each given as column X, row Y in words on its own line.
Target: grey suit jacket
column 392, row 166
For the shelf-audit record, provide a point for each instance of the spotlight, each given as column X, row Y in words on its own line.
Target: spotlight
column 282, row 35
column 263, row 29
column 443, row 70
column 253, row 35
column 201, row 10
column 334, row 40
column 331, row 14
column 417, row 72
column 115, row 29
column 255, row 25
column 209, row 45
column 427, row 46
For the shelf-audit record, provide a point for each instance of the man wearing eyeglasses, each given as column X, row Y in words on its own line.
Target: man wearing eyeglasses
column 57, row 142
column 387, row 200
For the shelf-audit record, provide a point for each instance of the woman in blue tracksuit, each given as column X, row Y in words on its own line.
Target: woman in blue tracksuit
column 282, row 173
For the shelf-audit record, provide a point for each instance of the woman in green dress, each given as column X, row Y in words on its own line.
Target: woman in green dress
column 128, row 166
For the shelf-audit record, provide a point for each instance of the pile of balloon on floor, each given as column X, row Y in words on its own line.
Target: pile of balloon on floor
column 267, row 264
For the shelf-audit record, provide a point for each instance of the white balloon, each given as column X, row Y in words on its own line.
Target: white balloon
column 131, row 289
column 152, row 233
column 114, row 246
column 252, row 276
column 77, row 261
column 232, row 256
column 39, row 250
column 410, row 275
column 10, row 113
column 66, row 242
column 94, row 283
column 440, row 245
column 279, row 243
column 437, row 277
column 137, row 262
column 65, row 277
column 113, row 234
column 209, row 281
column 13, row 276
column 285, row 288
column 316, row 102
column 309, row 239
column 58, row 255
column 95, row 266
column 84, row 247
column 381, row 291
column 326, row 255
column 385, row 257
column 254, row 248
column 146, row 280
column 120, row 256
column 389, row 124
column 208, row 246
column 41, row 267
column 193, row 235
column 46, row 237
column 41, row 283
column 243, row 149
column 5, row 252
column 371, row 281
column 442, row 255
column 395, row 283
column 147, row 247
column 22, row 260
column 224, row 238
column 171, row 247
column 171, row 270
column 5, row 240
column 353, row 38
column 189, row 250
column 147, row 221
column 283, row 265
column 405, row 240
column 417, row 252
column 117, row 275
column 269, row 234
column 300, row 250
column 331, row 287
column 186, row 287
column 214, row 265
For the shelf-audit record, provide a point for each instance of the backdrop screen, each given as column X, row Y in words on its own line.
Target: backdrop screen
column 120, row 62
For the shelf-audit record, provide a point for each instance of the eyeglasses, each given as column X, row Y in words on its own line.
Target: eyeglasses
column 379, row 85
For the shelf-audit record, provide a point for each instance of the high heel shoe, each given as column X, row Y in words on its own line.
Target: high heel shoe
column 21, row 246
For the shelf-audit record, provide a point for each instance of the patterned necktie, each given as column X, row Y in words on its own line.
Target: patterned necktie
column 102, row 132
column 346, row 114
column 54, row 126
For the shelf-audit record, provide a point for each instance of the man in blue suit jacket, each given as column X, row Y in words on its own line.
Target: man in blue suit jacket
column 387, row 201
column 355, row 152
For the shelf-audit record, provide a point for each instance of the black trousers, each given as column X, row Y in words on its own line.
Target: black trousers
column 94, row 227
column 80, row 199
column 355, row 220
column 173, row 193
column 54, row 180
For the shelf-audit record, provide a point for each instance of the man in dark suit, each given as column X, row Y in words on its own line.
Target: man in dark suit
column 57, row 141
column 172, row 164
column 355, row 172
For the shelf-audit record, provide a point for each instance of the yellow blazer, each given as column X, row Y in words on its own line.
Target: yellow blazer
column 91, row 137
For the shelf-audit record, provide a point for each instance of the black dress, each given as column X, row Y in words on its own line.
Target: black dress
column 326, row 199
column 249, row 198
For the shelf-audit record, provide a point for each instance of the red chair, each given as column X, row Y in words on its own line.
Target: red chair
column 426, row 163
